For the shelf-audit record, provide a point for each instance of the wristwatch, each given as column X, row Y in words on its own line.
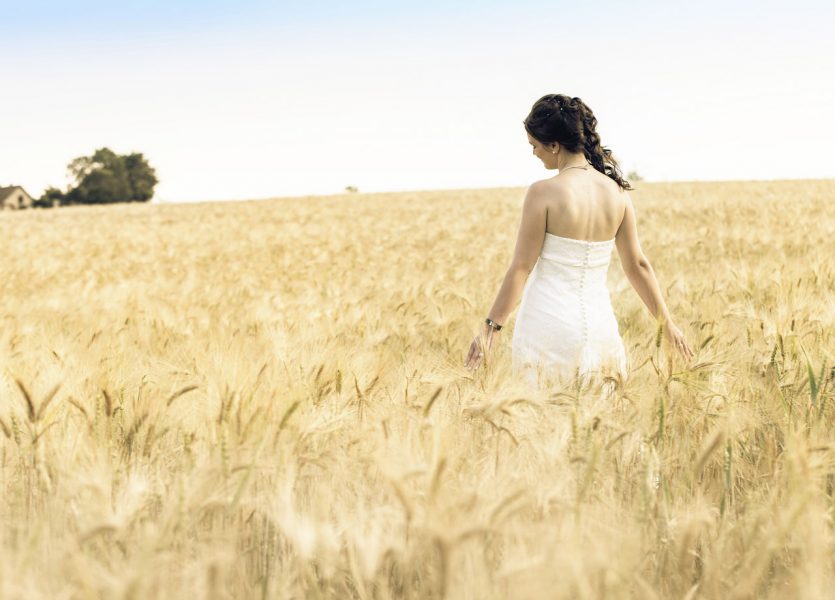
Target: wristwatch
column 493, row 324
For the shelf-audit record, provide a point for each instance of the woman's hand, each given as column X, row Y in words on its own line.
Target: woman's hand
column 677, row 341
column 479, row 347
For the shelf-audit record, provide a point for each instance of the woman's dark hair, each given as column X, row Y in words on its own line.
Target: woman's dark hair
column 570, row 123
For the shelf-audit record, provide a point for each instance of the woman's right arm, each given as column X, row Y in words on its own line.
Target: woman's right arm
column 639, row 272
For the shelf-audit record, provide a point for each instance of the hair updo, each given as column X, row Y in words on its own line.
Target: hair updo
column 572, row 124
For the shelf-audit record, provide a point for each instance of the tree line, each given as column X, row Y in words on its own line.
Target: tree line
column 104, row 177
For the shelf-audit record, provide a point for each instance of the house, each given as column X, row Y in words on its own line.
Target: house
column 14, row 197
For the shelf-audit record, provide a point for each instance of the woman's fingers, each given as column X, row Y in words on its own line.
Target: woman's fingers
column 677, row 341
column 676, row 338
column 473, row 357
column 685, row 350
column 475, row 354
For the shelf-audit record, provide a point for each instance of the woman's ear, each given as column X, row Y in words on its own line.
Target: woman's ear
column 554, row 147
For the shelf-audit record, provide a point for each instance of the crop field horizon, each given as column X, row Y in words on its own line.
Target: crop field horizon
column 267, row 399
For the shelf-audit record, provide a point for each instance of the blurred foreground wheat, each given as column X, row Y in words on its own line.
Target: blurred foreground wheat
column 268, row 400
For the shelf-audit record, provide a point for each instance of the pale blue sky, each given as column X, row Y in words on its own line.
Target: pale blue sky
column 257, row 99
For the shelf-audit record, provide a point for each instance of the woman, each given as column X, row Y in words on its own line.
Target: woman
column 570, row 222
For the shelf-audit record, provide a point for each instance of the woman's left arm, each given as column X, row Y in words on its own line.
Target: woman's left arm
column 528, row 247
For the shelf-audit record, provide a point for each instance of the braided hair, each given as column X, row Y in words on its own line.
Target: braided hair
column 571, row 123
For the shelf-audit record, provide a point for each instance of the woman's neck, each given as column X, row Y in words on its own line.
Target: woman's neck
column 571, row 160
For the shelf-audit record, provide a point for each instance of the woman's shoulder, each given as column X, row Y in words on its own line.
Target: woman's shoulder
column 552, row 186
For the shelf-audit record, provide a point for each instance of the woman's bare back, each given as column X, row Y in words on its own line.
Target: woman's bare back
column 587, row 205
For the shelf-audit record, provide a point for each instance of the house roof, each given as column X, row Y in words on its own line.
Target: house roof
column 5, row 192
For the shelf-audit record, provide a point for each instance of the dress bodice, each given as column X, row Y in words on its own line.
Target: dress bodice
column 566, row 319
column 571, row 258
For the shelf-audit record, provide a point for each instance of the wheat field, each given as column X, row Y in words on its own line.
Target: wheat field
column 267, row 399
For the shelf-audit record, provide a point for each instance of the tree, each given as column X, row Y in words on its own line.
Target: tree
column 106, row 177
column 633, row 175
column 51, row 196
column 141, row 177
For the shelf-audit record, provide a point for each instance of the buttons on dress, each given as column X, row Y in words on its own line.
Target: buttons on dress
column 583, row 316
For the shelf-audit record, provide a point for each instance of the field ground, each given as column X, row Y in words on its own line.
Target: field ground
column 268, row 399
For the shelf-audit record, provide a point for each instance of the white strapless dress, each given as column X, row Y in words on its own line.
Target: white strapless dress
column 565, row 325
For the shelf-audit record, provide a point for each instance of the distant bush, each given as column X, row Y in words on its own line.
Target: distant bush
column 634, row 176
column 51, row 197
column 351, row 189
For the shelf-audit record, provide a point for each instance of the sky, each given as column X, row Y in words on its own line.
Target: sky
column 252, row 99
